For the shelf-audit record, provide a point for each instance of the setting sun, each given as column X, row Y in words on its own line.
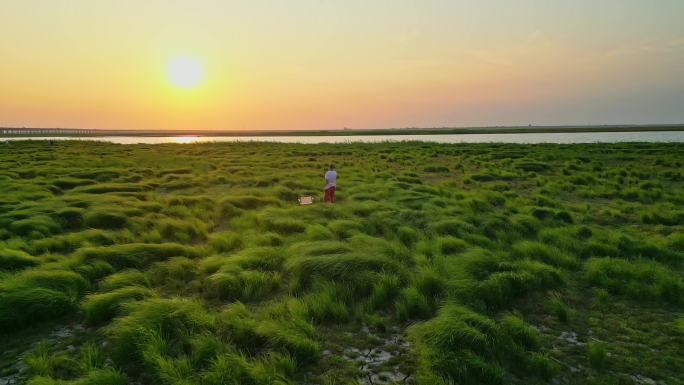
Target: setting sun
column 185, row 72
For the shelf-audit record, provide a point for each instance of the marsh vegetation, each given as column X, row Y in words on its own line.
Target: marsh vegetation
column 439, row 264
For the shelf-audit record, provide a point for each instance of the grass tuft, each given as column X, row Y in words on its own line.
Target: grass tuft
column 172, row 319
column 16, row 259
column 641, row 279
column 107, row 220
column 101, row 307
column 136, row 254
column 597, row 356
column 244, row 285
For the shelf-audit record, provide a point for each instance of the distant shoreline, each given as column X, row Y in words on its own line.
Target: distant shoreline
column 57, row 132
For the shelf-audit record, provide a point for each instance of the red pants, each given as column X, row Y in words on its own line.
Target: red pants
column 329, row 195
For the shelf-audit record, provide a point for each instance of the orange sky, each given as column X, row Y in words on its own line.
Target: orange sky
column 333, row 64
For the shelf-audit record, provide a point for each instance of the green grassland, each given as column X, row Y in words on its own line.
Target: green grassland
column 439, row 264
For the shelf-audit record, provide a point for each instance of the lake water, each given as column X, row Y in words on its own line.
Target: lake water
column 565, row 137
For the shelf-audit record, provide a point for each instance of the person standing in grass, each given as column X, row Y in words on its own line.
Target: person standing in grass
column 330, row 184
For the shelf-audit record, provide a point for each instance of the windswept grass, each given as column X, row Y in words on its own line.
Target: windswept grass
column 438, row 264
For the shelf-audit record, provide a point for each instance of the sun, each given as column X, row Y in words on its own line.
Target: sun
column 185, row 71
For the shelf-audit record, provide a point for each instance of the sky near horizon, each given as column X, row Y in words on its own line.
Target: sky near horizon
column 322, row 64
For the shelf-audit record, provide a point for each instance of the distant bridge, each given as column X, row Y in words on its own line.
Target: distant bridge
column 6, row 131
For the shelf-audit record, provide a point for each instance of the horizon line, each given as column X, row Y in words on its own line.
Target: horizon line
column 550, row 126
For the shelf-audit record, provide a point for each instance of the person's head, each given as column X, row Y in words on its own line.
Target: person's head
column 331, row 167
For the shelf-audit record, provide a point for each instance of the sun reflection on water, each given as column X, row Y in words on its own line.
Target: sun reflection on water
column 189, row 139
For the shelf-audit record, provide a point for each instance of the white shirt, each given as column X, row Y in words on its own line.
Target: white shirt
column 331, row 178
